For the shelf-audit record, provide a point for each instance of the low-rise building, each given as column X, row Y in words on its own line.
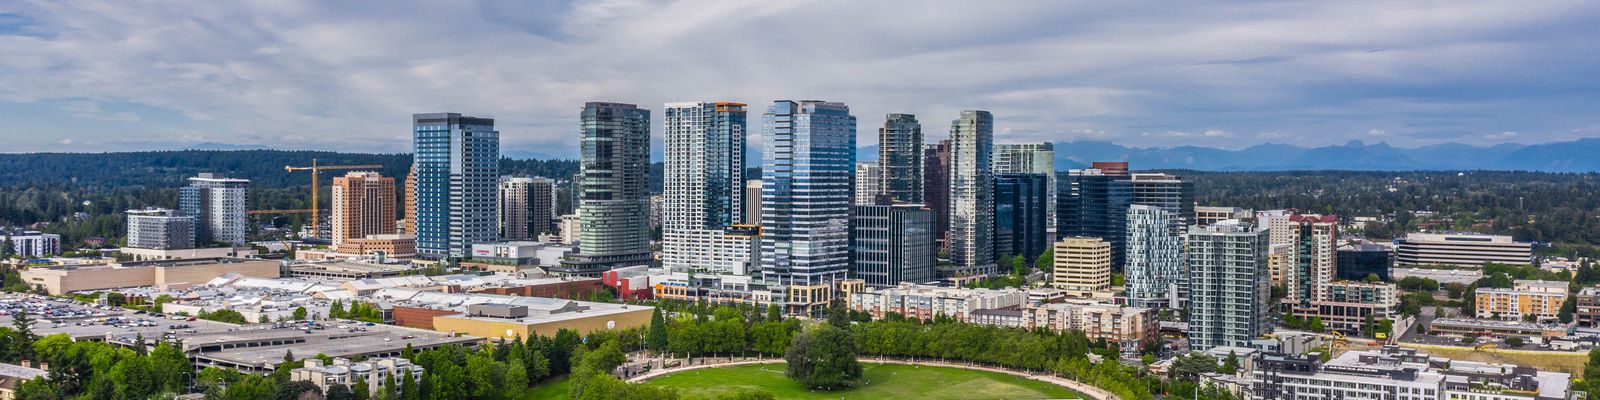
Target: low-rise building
column 927, row 302
column 1205, row 216
column 31, row 244
column 348, row 270
column 343, row 372
column 160, row 229
column 1501, row 329
column 521, row 253
column 1461, row 249
column 1540, row 299
column 1130, row 326
column 1588, row 312
column 1443, row 276
column 388, row 246
column 450, row 312
column 165, row 273
column 1401, row 374
column 139, row 254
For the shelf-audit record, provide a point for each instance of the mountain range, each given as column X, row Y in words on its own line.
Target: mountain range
column 1581, row 155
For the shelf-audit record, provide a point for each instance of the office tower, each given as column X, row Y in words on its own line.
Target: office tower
column 972, row 194
column 614, row 190
column 363, row 204
column 1030, row 158
column 1019, row 215
column 1082, row 265
column 1095, row 204
column 936, row 188
column 1229, row 284
column 703, row 209
column 891, row 244
column 752, row 202
column 526, row 207
column 868, row 183
column 411, row 201
column 217, row 204
column 806, row 169
column 1277, row 223
column 1361, row 259
column 1111, row 168
column 160, row 229
column 1169, row 192
column 1154, row 271
column 900, row 155
column 457, row 160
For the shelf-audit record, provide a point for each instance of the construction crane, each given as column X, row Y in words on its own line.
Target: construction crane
column 315, row 169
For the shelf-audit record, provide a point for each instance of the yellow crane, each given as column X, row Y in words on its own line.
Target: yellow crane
column 315, row 207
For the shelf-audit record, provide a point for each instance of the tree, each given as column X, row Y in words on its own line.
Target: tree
column 134, row 377
column 340, row 392
column 359, row 390
column 1046, row 260
column 516, row 380
column 446, row 381
column 408, row 387
column 1230, row 365
column 1019, row 265
column 1568, row 308
column 823, row 357
column 1514, row 341
column 1373, row 278
column 292, row 390
column 336, row 310
column 300, row 314
column 774, row 314
column 1190, row 367
column 22, row 337
column 171, row 368
column 656, row 339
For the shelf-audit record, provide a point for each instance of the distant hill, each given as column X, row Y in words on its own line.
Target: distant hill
column 1575, row 156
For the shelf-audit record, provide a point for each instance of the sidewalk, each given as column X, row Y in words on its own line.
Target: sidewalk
column 1091, row 391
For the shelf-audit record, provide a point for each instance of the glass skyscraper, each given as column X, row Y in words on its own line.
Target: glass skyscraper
column 972, row 194
column 1019, row 215
column 705, row 189
column 614, row 208
column 1154, row 272
column 1093, row 203
column 900, row 158
column 806, row 169
column 1032, row 158
column 892, row 244
column 458, row 170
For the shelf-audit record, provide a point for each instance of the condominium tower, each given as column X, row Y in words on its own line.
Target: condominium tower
column 703, row 222
column 936, row 188
column 363, row 204
column 1169, row 192
column 614, row 207
column 1154, row 270
column 217, row 204
column 869, row 183
column 1229, row 284
column 806, row 171
column 900, row 156
column 972, row 194
column 457, row 163
column 160, row 229
column 527, row 205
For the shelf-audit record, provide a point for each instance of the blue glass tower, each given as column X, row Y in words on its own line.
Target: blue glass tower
column 806, row 171
column 457, row 159
column 1019, row 215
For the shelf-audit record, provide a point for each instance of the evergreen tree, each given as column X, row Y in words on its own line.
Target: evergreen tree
column 823, row 358
column 22, row 337
column 656, row 340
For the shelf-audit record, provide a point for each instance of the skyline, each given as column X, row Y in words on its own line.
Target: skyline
column 105, row 77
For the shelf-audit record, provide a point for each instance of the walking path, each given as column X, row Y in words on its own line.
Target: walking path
column 1087, row 390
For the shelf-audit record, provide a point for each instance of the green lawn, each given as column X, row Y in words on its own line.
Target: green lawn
column 551, row 389
column 880, row 381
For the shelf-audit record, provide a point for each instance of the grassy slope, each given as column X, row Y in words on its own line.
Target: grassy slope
column 882, row 381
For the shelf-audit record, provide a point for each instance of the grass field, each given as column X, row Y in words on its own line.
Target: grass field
column 548, row 390
column 1569, row 362
column 881, row 381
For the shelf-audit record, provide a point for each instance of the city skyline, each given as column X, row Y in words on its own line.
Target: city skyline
column 114, row 77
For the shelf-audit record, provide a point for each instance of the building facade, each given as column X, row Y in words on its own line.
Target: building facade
column 409, row 197
column 1020, row 209
column 752, row 202
column 936, row 188
column 891, row 244
column 526, row 207
column 1094, row 203
column 1169, row 192
column 1588, row 311
column 869, row 183
column 1461, row 249
column 1204, row 216
column 806, row 169
column 343, row 372
column 703, row 222
column 1229, row 285
column 1311, row 277
column 1082, row 265
column 217, row 204
column 972, row 194
column 363, row 204
column 1358, row 261
column 1400, row 374
column 1541, row 300
column 457, row 160
column 34, row 244
column 900, row 155
column 160, row 229
column 1154, row 271
column 1030, row 158
column 615, row 190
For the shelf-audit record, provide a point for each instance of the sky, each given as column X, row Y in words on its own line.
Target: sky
column 347, row 75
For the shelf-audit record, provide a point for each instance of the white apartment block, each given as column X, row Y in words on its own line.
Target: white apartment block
column 35, row 244
column 346, row 373
column 869, row 183
column 927, row 302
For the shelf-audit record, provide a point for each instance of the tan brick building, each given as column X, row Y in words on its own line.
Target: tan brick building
column 1082, row 265
column 363, row 204
column 164, row 273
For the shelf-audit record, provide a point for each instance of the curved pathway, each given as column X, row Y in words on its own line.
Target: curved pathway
column 1091, row 391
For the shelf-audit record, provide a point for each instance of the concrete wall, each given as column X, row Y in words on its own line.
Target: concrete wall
column 57, row 281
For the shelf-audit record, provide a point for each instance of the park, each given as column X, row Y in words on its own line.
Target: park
column 878, row 381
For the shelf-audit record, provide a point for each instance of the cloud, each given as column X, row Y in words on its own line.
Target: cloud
column 345, row 76
column 1377, row 132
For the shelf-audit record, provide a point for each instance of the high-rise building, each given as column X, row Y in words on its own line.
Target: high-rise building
column 1019, row 215
column 868, row 183
column 703, row 208
column 1169, row 192
column 410, row 224
column 752, row 202
column 806, row 169
column 1278, row 225
column 160, row 229
column 571, row 229
column 1030, row 158
column 614, row 190
column 217, row 204
column 1359, row 260
column 527, row 204
column 1205, row 216
column 1094, row 203
column 1082, row 265
column 1229, row 286
column 457, row 160
column 363, row 204
column 1154, row 272
column 33, row 244
column 1311, row 276
column 972, row 194
column 900, row 154
column 936, row 188
column 891, row 244
column 1111, row 168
